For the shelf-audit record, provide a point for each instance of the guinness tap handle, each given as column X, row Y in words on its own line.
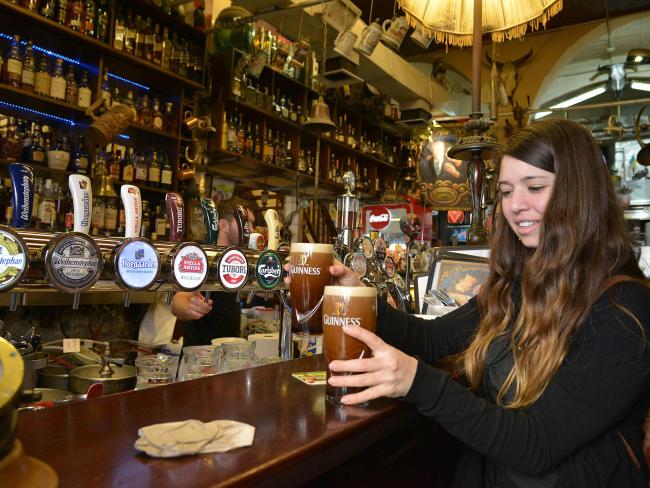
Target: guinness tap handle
column 82, row 202
column 243, row 225
column 175, row 216
column 22, row 199
column 274, row 225
column 132, row 210
column 211, row 219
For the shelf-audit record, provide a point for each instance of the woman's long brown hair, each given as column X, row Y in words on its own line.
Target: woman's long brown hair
column 583, row 241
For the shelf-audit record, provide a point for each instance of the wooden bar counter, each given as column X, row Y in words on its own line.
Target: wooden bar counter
column 300, row 439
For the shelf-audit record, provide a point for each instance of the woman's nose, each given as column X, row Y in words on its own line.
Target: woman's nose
column 518, row 201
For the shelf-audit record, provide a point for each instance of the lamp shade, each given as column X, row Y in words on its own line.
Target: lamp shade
column 451, row 21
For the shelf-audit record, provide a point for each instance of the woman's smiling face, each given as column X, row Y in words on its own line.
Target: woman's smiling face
column 525, row 192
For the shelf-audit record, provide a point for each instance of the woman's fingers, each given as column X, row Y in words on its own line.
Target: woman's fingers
column 363, row 396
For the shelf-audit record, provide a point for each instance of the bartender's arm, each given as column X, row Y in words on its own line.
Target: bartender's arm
column 190, row 305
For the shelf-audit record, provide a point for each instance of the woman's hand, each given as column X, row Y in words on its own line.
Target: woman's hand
column 190, row 306
column 389, row 373
column 342, row 276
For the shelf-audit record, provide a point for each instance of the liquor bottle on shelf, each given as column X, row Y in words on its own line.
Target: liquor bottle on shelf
column 110, row 216
column 153, row 176
column 145, row 116
column 129, row 33
column 29, row 69
column 171, row 125
column 175, row 60
column 71, row 88
column 79, row 160
column 76, row 15
column 60, row 207
column 101, row 21
column 89, row 27
column 98, row 216
column 141, row 170
column 113, row 163
column 139, row 47
column 105, row 92
column 149, row 40
column 120, row 30
column 166, row 54
column 116, row 98
column 14, row 64
column 38, row 191
column 166, row 174
column 157, row 120
column 127, row 168
column 288, row 157
column 145, row 230
column 84, row 93
column 248, row 144
column 46, row 207
column 160, row 228
column 183, row 57
column 48, row 9
column 62, row 12
column 257, row 144
column 241, row 134
column 57, row 83
column 157, row 46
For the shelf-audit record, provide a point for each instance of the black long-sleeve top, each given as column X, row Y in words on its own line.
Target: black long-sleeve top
column 573, row 430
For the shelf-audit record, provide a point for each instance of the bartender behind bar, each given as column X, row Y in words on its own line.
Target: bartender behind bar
column 218, row 317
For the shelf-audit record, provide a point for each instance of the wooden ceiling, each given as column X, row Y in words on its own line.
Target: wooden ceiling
column 574, row 12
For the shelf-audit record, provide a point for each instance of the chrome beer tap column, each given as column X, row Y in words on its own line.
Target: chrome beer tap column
column 135, row 261
column 73, row 261
column 14, row 254
column 186, row 265
column 347, row 217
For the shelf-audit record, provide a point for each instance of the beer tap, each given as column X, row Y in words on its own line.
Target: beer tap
column 233, row 267
column 135, row 261
column 73, row 261
column 347, row 217
column 14, row 255
column 269, row 274
column 211, row 220
column 409, row 225
column 186, row 265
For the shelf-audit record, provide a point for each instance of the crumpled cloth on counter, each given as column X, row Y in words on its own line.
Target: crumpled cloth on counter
column 186, row 437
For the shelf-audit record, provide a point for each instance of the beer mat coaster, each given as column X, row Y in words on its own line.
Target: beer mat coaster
column 311, row 377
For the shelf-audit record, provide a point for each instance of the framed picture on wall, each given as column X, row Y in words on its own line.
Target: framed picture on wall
column 460, row 275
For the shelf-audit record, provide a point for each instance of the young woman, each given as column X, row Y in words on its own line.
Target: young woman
column 554, row 345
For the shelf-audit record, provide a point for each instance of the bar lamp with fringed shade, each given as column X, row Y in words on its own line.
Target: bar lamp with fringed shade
column 463, row 23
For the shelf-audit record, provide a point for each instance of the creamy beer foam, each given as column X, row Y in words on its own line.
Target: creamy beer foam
column 311, row 248
column 351, row 291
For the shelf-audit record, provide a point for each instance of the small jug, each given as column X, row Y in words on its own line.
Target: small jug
column 344, row 42
column 394, row 31
column 369, row 38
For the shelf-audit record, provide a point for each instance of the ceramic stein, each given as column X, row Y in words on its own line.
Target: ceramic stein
column 109, row 124
column 394, row 31
column 421, row 38
column 369, row 38
column 344, row 42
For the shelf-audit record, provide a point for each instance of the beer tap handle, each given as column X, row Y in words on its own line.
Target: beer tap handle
column 132, row 202
column 211, row 219
column 82, row 201
column 273, row 225
column 22, row 200
column 175, row 216
column 243, row 225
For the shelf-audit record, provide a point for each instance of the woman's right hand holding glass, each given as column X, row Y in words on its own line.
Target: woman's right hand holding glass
column 341, row 275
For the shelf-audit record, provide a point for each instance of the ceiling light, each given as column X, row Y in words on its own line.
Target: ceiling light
column 638, row 85
column 581, row 98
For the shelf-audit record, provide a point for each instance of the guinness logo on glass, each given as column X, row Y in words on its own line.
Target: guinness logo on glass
column 301, row 268
column 269, row 270
column 233, row 269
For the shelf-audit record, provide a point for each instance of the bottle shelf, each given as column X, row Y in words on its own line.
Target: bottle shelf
column 90, row 43
column 148, row 8
column 39, row 168
column 145, row 188
column 19, row 99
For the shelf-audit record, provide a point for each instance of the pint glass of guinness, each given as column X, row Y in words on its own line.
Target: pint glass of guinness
column 346, row 306
column 309, row 270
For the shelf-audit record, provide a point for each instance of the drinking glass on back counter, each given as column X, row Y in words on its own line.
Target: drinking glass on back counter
column 346, row 306
column 155, row 370
column 309, row 271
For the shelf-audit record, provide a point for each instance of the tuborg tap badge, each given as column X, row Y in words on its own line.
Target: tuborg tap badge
column 269, row 270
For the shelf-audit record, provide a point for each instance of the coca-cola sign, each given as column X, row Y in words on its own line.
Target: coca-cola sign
column 379, row 218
